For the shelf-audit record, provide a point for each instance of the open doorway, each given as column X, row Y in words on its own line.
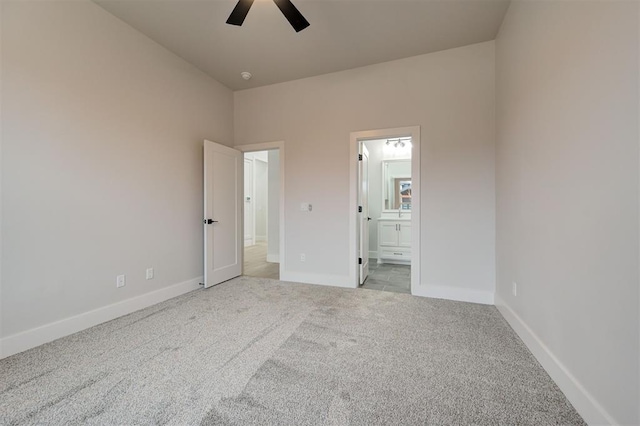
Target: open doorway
column 385, row 191
column 261, row 214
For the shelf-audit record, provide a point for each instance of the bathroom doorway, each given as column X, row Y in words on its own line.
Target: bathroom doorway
column 387, row 224
column 389, row 207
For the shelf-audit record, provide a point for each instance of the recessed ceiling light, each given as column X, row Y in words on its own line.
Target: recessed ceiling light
column 246, row 75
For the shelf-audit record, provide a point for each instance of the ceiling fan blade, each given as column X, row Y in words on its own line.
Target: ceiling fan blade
column 239, row 12
column 292, row 14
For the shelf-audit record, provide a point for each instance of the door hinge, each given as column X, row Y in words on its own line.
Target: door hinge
column 359, row 209
column 359, row 157
column 359, row 261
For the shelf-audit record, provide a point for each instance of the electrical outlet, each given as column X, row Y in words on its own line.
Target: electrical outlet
column 303, row 257
column 514, row 288
column 121, row 280
column 149, row 273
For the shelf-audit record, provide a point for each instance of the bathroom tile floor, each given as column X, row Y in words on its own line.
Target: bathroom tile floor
column 388, row 277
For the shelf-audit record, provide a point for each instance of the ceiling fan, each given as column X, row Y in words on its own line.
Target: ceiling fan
column 293, row 15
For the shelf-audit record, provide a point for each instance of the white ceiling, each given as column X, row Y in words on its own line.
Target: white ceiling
column 343, row 34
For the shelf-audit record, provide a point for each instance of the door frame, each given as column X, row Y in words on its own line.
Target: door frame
column 354, row 141
column 266, row 146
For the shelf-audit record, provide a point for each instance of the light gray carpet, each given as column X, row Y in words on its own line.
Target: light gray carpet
column 258, row 351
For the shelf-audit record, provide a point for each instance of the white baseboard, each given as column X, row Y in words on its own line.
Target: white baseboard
column 273, row 258
column 319, row 279
column 373, row 254
column 586, row 405
column 28, row 339
column 452, row 293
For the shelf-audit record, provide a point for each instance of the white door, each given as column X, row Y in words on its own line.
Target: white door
column 222, row 213
column 364, row 216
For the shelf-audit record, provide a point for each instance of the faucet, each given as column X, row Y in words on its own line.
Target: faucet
column 400, row 211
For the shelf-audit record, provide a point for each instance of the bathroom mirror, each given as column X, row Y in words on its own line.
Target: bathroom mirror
column 396, row 185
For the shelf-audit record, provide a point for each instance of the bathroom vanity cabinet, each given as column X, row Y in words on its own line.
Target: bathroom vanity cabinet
column 394, row 240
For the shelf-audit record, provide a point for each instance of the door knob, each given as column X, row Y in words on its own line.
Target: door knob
column 209, row 221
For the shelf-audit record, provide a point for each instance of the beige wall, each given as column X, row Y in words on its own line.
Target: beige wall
column 567, row 196
column 102, row 135
column 450, row 94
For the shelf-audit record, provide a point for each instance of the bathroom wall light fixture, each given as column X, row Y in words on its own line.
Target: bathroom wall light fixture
column 398, row 142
